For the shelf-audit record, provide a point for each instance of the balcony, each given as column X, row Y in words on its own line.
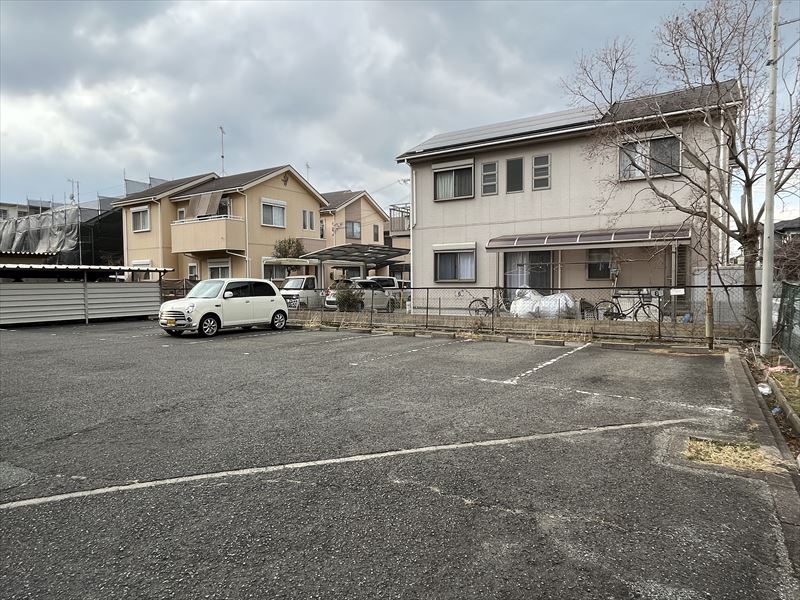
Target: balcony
column 400, row 219
column 207, row 234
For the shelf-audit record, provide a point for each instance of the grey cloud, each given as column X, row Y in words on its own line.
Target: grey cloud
column 344, row 86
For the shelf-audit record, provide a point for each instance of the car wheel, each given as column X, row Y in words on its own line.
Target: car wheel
column 279, row 320
column 173, row 333
column 209, row 326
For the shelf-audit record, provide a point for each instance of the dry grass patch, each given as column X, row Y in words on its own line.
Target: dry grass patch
column 786, row 380
column 735, row 455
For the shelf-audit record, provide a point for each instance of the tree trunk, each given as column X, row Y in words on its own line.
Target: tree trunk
column 751, row 316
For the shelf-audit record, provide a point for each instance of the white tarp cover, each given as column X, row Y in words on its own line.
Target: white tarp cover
column 529, row 303
column 51, row 231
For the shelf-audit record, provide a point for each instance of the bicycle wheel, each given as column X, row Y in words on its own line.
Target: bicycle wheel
column 479, row 308
column 648, row 312
column 605, row 309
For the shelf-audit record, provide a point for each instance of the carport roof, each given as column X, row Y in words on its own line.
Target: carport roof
column 371, row 254
column 83, row 268
column 608, row 238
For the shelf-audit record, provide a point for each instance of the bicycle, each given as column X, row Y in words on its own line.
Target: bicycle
column 480, row 307
column 642, row 309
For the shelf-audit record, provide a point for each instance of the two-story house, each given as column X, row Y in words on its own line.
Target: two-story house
column 209, row 226
column 532, row 202
column 352, row 217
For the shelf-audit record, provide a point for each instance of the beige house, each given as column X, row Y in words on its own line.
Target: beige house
column 351, row 217
column 525, row 203
column 209, row 226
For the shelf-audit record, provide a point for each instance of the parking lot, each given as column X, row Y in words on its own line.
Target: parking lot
column 301, row 464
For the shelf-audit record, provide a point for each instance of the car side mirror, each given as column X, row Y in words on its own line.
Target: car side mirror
column 227, row 295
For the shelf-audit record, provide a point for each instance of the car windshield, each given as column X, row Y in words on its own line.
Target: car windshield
column 293, row 283
column 206, row 289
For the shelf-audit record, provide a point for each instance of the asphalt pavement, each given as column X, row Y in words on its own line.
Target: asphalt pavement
column 302, row 464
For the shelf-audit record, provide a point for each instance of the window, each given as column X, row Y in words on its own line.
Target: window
column 181, row 214
column 454, row 266
column 240, row 289
column 376, row 233
column 514, row 175
column 598, row 264
column 273, row 213
column 275, row 272
column 488, row 179
column 219, row 268
column 541, row 172
column 4, row 213
column 192, row 270
column 140, row 219
column 139, row 275
column 659, row 156
column 20, row 213
column 224, row 208
column 352, row 230
column 451, row 184
column 308, row 220
column 262, row 288
column 322, row 229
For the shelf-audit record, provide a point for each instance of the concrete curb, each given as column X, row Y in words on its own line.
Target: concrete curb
column 404, row 332
column 617, row 346
column 791, row 416
column 783, row 486
column 328, row 328
column 442, row 334
column 548, row 342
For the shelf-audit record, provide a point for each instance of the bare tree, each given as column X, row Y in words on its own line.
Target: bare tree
column 716, row 56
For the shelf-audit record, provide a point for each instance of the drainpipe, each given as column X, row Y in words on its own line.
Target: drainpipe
column 244, row 256
column 247, row 237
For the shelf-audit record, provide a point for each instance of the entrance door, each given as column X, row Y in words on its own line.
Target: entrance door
column 238, row 309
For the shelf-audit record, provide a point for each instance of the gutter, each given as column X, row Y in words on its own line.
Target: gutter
column 403, row 158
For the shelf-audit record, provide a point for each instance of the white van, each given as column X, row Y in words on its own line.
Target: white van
column 300, row 291
column 215, row 304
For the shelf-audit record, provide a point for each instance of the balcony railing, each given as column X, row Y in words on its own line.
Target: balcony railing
column 205, row 234
column 399, row 218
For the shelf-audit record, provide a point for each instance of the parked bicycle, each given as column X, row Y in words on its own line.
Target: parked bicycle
column 641, row 309
column 486, row 305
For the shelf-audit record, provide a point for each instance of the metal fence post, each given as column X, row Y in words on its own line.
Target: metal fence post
column 371, row 306
column 494, row 305
column 322, row 308
column 427, row 302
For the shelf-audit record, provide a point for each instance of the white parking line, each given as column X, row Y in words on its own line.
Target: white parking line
column 385, row 356
column 336, row 461
column 515, row 380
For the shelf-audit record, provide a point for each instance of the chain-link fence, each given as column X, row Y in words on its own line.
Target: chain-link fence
column 787, row 333
column 646, row 311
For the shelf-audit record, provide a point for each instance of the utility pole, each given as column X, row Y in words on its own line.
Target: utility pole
column 222, row 147
column 709, row 292
column 769, row 197
column 308, row 168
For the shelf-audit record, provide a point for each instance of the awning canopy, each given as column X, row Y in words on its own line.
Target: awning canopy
column 373, row 255
column 634, row 236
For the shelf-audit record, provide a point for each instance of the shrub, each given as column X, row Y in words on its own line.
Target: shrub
column 289, row 248
column 348, row 298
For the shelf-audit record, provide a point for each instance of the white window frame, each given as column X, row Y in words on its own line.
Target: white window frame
column 638, row 175
column 522, row 183
column 496, row 174
column 274, row 204
column 138, row 275
column 438, row 253
column 189, row 272
column 218, row 263
column 548, row 177
column 141, row 209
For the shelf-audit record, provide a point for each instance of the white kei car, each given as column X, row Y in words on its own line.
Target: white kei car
column 215, row 304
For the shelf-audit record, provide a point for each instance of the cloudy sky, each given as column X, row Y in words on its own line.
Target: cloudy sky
column 90, row 89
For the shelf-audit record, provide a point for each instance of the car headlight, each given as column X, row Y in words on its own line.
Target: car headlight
column 190, row 308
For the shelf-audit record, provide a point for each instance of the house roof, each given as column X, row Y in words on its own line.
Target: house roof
column 577, row 118
column 230, row 182
column 163, row 188
column 787, row 225
column 338, row 199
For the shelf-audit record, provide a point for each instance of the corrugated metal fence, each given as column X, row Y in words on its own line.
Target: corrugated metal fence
column 43, row 302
